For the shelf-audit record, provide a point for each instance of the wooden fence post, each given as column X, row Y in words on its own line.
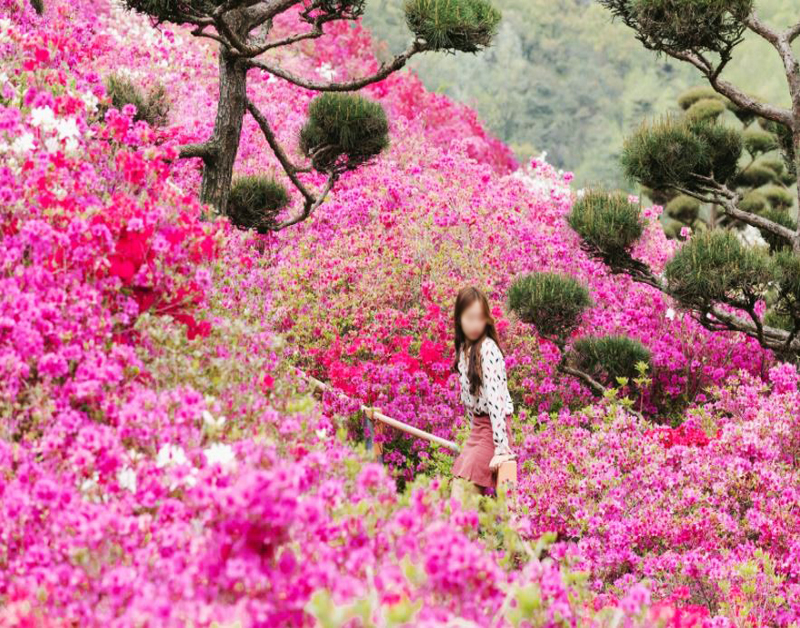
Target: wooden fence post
column 507, row 473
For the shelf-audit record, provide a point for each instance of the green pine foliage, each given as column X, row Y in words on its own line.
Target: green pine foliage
column 256, row 201
column 176, row 11
column 38, row 6
column 552, row 302
column 677, row 152
column 608, row 223
column 714, row 266
column 609, row 357
column 343, row 131
column 152, row 107
column 464, row 25
column 684, row 25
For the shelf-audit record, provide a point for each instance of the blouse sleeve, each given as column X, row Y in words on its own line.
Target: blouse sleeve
column 495, row 389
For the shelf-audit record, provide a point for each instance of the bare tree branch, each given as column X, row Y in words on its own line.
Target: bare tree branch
column 290, row 169
column 205, row 151
column 792, row 33
column 584, row 377
column 385, row 70
column 311, row 202
column 729, row 206
column 765, row 110
column 309, row 206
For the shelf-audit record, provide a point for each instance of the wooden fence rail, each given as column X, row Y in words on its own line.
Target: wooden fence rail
column 507, row 473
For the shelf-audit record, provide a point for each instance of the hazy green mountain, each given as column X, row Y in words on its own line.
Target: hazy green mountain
column 562, row 77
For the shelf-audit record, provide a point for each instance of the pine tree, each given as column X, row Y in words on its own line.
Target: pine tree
column 344, row 130
column 715, row 276
column 763, row 177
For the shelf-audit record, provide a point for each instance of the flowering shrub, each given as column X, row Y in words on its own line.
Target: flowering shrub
column 160, row 463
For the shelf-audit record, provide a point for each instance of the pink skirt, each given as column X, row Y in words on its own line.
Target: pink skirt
column 473, row 462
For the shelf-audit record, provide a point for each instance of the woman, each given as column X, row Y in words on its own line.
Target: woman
column 484, row 392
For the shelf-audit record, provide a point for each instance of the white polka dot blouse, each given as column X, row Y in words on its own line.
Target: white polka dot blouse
column 493, row 397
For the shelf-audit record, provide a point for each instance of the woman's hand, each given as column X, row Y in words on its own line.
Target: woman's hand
column 500, row 458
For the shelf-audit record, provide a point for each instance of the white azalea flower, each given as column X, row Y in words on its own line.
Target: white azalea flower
column 67, row 128
column 43, row 117
column 220, row 453
column 24, row 144
column 127, row 479
column 71, row 146
column 322, row 433
column 171, row 455
column 670, row 313
column 90, row 100
column 326, row 71
column 51, row 144
column 89, row 483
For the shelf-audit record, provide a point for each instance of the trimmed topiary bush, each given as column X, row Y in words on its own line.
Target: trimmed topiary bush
column 701, row 92
column 715, row 266
column 777, row 196
column 683, row 208
column 753, row 202
column 673, row 153
column 256, row 201
column 343, row 131
column 758, row 141
column 608, row 223
column 553, row 303
column 684, row 25
column 607, row 358
column 706, row 109
column 755, row 176
column 465, row 25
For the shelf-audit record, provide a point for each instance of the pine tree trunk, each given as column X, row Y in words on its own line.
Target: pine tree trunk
column 218, row 170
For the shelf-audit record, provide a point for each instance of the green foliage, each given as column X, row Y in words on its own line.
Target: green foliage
column 38, row 6
column 608, row 223
column 347, row 9
column 753, row 202
column 255, row 202
column 176, row 11
column 784, row 137
column 465, row 25
column 714, row 266
column 152, row 107
column 683, row 208
column 782, row 218
column 673, row 153
column 697, row 93
column 684, row 25
column 609, row 357
column 757, row 141
column 707, row 109
column 553, row 303
column 785, row 267
column 755, row 176
column 343, row 131
column 777, row 196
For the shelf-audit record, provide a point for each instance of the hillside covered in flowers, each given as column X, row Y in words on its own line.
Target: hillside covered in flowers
column 162, row 464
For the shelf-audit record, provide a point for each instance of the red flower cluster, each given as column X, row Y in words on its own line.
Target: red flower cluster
column 686, row 435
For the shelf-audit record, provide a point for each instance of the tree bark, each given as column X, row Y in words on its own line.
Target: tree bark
column 218, row 168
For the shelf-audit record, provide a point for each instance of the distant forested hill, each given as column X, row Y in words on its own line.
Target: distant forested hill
column 562, row 77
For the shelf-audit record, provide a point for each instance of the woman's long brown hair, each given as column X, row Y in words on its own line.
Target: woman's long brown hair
column 466, row 297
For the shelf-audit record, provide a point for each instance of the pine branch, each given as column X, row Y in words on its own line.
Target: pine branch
column 204, row 150
column 385, row 70
column 311, row 202
column 765, row 110
column 792, row 33
column 584, row 377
